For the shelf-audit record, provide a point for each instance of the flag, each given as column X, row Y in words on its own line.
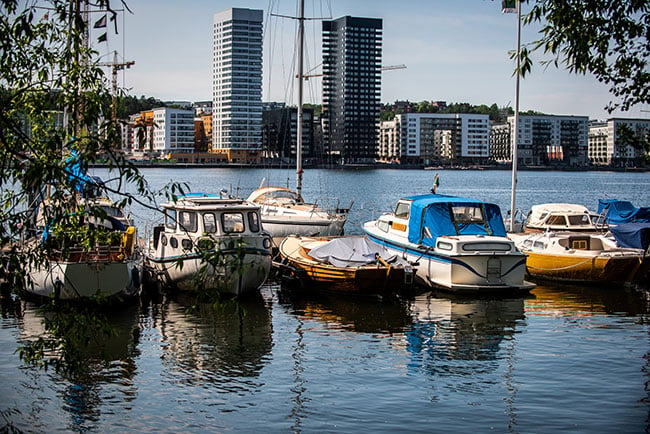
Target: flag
column 102, row 38
column 436, row 183
column 509, row 6
column 100, row 23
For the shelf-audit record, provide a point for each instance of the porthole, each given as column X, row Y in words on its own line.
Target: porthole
column 173, row 242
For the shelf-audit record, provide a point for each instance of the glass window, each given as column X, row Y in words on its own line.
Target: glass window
column 253, row 221
column 402, row 210
column 232, row 222
column 209, row 223
column 188, row 221
column 557, row 220
column 467, row 214
column 170, row 219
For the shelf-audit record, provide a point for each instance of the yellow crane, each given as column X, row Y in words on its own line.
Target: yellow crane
column 116, row 66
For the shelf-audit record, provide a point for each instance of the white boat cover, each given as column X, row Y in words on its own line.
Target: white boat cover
column 351, row 252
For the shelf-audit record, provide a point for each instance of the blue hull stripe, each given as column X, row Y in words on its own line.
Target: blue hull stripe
column 229, row 252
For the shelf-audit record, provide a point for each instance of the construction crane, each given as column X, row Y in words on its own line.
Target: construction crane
column 383, row 68
column 116, row 66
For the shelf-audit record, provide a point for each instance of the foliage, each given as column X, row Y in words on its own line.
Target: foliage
column 608, row 39
column 128, row 105
column 495, row 113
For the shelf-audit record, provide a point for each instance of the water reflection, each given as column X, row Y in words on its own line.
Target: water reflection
column 205, row 344
column 106, row 361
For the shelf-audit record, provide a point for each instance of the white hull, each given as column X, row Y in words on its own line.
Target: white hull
column 283, row 227
column 78, row 280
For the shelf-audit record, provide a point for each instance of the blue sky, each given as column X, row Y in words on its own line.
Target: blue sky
column 454, row 51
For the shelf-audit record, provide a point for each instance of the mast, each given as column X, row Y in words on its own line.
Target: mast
column 516, row 123
column 301, row 37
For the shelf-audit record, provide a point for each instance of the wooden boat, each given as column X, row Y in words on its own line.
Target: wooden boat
column 563, row 217
column 210, row 242
column 458, row 244
column 351, row 264
column 578, row 257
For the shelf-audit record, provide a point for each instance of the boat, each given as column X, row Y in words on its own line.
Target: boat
column 75, row 267
column 616, row 212
column 458, row 244
column 346, row 264
column 209, row 242
column 563, row 217
column 578, row 257
column 284, row 211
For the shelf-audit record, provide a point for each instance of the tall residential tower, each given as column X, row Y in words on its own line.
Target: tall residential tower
column 351, row 88
column 237, row 84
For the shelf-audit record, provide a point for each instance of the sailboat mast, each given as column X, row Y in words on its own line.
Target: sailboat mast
column 301, row 37
column 516, row 123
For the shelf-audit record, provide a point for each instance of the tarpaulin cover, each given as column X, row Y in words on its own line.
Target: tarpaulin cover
column 622, row 211
column 350, row 252
column 632, row 235
column 431, row 217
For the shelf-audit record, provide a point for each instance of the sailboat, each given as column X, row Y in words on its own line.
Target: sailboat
column 283, row 211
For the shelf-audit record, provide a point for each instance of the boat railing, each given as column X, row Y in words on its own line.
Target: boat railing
column 332, row 205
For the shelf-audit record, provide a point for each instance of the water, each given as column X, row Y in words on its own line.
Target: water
column 564, row 358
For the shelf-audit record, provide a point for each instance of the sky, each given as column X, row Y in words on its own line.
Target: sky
column 454, row 51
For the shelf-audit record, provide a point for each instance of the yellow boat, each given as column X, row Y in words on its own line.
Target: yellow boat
column 578, row 257
column 350, row 264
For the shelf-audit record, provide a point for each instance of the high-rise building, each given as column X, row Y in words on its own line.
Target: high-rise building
column 237, row 84
column 351, row 88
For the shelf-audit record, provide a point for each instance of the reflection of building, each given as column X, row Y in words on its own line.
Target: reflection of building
column 237, row 85
column 607, row 147
column 548, row 139
column 351, row 87
column 424, row 138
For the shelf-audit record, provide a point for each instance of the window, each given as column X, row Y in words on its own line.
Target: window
column 232, row 222
column 188, row 221
column 253, row 221
column 170, row 219
column 402, row 210
column 209, row 223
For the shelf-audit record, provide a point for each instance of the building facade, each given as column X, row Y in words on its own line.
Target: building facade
column 163, row 131
column 280, row 129
column 237, row 84
column 611, row 143
column 351, row 88
column 430, row 138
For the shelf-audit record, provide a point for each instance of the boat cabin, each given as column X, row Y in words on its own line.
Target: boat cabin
column 562, row 217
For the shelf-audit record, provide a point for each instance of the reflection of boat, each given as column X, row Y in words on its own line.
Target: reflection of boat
column 284, row 213
column 344, row 264
column 78, row 265
column 562, row 217
column 209, row 242
column 578, row 257
column 457, row 243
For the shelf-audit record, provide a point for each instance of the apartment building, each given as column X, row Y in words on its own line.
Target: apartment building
column 163, row 131
column 611, row 143
column 237, row 85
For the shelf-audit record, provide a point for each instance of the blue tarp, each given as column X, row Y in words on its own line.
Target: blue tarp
column 632, row 235
column 433, row 212
column 617, row 212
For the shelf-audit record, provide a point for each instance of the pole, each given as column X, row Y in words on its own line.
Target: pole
column 301, row 36
column 515, row 133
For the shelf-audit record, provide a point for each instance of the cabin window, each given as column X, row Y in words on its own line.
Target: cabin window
column 170, row 219
column 467, row 214
column 188, row 221
column 579, row 220
column 556, row 220
column 445, row 246
column 402, row 210
column 383, row 225
column 232, row 222
column 254, row 221
column 209, row 223
column 486, row 247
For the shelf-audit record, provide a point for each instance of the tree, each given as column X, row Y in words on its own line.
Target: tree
column 608, row 39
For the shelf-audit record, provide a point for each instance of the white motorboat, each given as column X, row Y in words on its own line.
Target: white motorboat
column 73, row 269
column 284, row 213
column 563, row 217
column 456, row 243
column 208, row 242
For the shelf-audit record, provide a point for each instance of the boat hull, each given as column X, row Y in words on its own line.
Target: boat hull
column 283, row 227
column 80, row 280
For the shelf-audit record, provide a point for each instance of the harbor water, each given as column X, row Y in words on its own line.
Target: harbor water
column 563, row 358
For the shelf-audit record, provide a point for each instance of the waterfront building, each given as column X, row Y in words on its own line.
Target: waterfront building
column 202, row 132
column 551, row 140
column 237, row 85
column 500, row 148
column 280, row 129
column 202, row 108
column 610, row 144
column 163, row 131
column 351, row 88
column 429, row 138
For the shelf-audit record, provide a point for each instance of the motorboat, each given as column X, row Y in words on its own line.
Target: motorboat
column 75, row 265
column 284, row 213
column 456, row 243
column 209, row 242
column 349, row 264
column 578, row 257
column 563, row 217
column 617, row 212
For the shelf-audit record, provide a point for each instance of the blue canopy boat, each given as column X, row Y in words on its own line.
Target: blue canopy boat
column 617, row 212
column 457, row 243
